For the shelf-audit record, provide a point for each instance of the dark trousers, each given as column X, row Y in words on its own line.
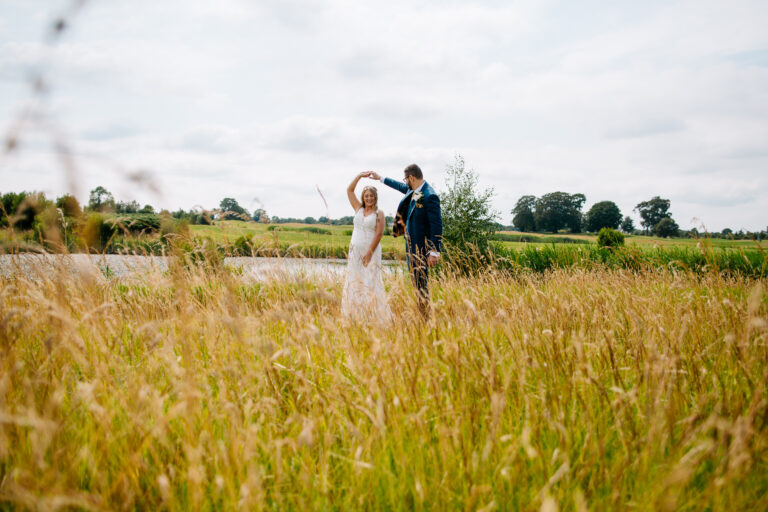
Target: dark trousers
column 417, row 265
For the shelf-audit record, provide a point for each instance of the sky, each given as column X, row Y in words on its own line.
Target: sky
column 280, row 103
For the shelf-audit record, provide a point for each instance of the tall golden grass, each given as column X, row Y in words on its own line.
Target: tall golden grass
column 198, row 389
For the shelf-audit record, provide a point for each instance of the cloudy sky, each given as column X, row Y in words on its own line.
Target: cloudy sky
column 267, row 100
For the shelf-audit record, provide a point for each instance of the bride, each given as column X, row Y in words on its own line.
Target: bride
column 364, row 296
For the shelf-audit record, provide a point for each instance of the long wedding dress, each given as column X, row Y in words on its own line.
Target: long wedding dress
column 364, row 297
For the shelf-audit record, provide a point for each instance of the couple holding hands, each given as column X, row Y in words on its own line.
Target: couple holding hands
column 418, row 218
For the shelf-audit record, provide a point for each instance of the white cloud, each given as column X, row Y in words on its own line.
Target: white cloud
column 269, row 99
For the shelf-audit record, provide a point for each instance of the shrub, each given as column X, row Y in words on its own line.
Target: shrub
column 308, row 229
column 198, row 252
column 315, row 230
column 468, row 215
column 171, row 226
column 243, row 246
column 94, row 232
column 511, row 237
column 134, row 223
column 608, row 237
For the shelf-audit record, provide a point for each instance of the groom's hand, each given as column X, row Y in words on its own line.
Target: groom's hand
column 374, row 176
column 432, row 260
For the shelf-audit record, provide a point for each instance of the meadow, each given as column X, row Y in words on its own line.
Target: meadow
column 327, row 239
column 510, row 251
column 324, row 235
column 566, row 389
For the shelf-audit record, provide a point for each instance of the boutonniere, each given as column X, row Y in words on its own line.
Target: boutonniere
column 417, row 197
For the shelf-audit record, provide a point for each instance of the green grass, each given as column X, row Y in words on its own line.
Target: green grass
column 293, row 236
column 698, row 260
column 639, row 240
column 537, row 252
column 229, row 231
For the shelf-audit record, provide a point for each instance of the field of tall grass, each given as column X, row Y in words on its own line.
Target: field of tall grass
column 201, row 389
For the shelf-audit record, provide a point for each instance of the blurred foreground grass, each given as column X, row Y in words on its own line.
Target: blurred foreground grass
column 197, row 389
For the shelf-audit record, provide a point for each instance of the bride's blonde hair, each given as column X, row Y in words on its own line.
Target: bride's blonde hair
column 375, row 196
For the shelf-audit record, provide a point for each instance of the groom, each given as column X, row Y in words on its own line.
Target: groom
column 419, row 218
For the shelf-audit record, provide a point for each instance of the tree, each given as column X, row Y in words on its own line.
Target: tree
column 652, row 211
column 627, row 225
column 147, row 208
column 9, row 203
column 666, row 227
column 524, row 213
column 69, row 206
column 468, row 216
column 27, row 209
column 559, row 210
column 231, row 209
column 604, row 214
column 126, row 207
column 101, row 199
column 260, row 215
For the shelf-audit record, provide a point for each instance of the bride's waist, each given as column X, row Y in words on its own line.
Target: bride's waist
column 362, row 243
column 363, row 235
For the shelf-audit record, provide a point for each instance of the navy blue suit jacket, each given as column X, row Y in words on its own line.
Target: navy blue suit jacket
column 423, row 220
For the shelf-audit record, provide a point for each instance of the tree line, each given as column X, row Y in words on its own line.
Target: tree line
column 20, row 209
column 553, row 212
column 560, row 211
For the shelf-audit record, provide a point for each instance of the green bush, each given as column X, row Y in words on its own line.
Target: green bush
column 243, row 246
column 307, row 229
column 143, row 246
column 316, row 230
column 198, row 252
column 511, row 237
column 469, row 219
column 608, row 237
column 171, row 226
column 728, row 262
column 94, row 232
column 133, row 223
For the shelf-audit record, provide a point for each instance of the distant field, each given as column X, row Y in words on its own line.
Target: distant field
column 229, row 231
column 653, row 241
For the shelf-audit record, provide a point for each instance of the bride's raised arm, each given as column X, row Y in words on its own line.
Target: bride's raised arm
column 354, row 201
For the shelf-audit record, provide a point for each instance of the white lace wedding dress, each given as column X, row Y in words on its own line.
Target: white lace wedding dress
column 364, row 297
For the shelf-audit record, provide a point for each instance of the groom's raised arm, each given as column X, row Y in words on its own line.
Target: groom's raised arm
column 395, row 184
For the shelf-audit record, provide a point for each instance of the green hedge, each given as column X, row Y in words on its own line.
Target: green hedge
column 133, row 223
column 307, row 229
column 510, row 237
column 752, row 263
